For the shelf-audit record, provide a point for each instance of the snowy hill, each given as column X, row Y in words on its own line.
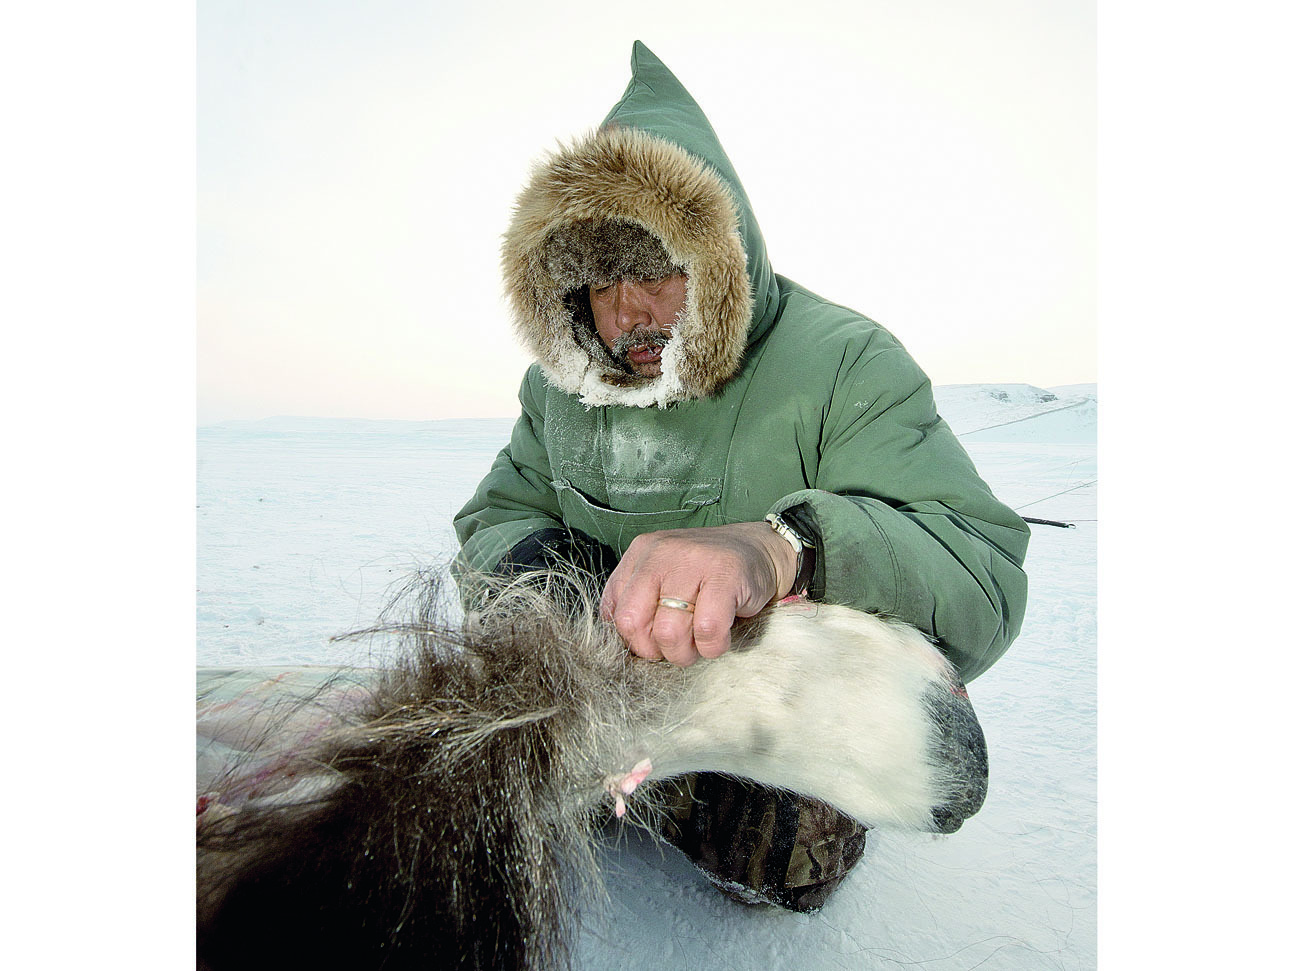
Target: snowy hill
column 1019, row 412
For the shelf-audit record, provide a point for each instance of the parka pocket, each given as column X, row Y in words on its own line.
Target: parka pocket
column 617, row 528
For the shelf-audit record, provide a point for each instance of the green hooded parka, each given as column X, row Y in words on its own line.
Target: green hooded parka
column 771, row 397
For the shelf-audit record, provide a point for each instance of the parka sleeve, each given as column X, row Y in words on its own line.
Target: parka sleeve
column 516, row 498
column 907, row 527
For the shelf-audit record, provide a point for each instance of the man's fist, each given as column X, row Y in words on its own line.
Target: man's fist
column 676, row 592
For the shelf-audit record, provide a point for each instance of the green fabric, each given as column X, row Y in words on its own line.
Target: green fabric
column 828, row 410
column 656, row 102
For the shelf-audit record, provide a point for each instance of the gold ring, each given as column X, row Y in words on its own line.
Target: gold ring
column 676, row 604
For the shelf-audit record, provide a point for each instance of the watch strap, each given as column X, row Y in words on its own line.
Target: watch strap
column 803, row 545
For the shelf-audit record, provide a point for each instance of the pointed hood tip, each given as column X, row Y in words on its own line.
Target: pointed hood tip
column 645, row 59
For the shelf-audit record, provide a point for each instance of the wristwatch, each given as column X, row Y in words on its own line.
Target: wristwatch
column 802, row 546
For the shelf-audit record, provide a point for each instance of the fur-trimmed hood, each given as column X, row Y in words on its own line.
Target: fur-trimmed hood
column 648, row 194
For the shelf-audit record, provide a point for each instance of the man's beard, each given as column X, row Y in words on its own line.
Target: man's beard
column 639, row 340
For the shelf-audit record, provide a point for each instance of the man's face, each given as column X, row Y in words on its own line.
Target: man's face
column 635, row 317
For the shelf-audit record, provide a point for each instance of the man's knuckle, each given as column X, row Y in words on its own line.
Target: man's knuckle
column 708, row 629
column 627, row 620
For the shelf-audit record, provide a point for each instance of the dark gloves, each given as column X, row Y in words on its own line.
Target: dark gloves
column 565, row 551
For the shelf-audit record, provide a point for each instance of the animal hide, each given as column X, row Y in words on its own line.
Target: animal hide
column 443, row 811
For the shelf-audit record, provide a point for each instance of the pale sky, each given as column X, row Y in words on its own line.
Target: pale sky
column 930, row 163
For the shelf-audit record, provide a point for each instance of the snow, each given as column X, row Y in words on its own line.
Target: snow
column 303, row 524
column 1020, row 412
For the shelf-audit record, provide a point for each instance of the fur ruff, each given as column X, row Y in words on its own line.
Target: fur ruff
column 449, row 817
column 591, row 190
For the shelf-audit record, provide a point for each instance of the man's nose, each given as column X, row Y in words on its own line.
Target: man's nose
column 630, row 308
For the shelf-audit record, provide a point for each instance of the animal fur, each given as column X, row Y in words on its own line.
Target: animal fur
column 590, row 189
column 449, row 817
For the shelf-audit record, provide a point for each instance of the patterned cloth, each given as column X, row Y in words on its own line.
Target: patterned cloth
column 250, row 719
column 760, row 845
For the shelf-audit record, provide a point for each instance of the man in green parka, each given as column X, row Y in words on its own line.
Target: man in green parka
column 713, row 437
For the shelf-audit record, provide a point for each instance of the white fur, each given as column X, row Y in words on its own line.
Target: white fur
column 828, row 702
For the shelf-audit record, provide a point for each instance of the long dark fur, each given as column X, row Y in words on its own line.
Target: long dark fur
column 456, row 825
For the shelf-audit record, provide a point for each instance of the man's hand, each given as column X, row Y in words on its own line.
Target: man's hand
column 723, row 571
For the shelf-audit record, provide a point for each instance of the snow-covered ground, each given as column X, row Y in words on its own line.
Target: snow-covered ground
column 302, row 524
